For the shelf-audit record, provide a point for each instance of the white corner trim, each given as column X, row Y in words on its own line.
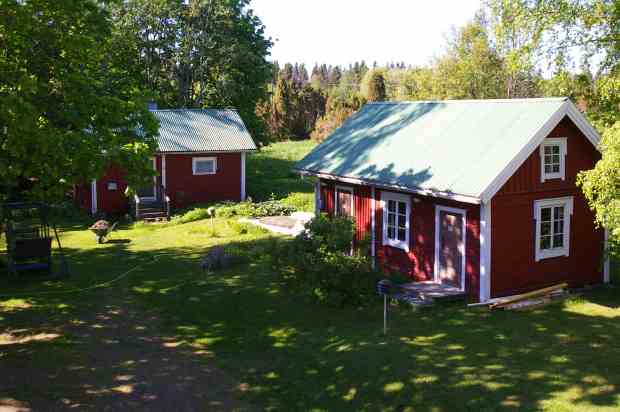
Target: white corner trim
column 163, row 170
column 373, row 235
column 205, row 159
column 317, row 197
column 93, row 196
column 567, row 109
column 606, row 264
column 553, row 141
column 463, row 248
column 398, row 197
column 343, row 189
column 485, row 251
column 567, row 202
column 242, row 175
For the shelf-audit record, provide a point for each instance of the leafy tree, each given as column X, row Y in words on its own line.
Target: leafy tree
column 200, row 53
column 69, row 100
column 373, row 86
column 601, row 186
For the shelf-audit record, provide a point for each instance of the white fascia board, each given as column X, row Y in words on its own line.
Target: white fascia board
column 567, row 109
column 424, row 192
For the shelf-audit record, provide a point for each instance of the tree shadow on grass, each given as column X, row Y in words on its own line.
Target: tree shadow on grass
column 287, row 354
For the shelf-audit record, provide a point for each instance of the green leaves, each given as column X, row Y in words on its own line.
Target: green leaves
column 67, row 102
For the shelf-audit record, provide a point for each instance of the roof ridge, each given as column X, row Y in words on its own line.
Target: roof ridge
column 519, row 100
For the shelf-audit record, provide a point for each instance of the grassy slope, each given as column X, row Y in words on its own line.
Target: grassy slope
column 269, row 172
column 291, row 355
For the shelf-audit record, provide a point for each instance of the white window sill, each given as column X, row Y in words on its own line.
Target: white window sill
column 551, row 253
column 552, row 176
column 396, row 244
column 203, row 174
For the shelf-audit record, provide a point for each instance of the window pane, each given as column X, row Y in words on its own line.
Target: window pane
column 401, row 234
column 391, row 205
column 558, row 240
column 402, row 208
column 391, row 219
column 392, row 232
column 548, row 169
column 402, row 221
column 556, row 150
column 205, row 166
column 545, row 228
column 558, row 226
column 548, row 150
column 556, row 159
column 555, row 168
column 558, row 212
column 545, row 214
column 545, row 242
column 548, row 159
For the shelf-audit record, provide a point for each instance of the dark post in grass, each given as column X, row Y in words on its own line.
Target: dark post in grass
column 383, row 287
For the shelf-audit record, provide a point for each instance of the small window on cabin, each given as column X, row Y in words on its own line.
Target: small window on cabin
column 552, row 156
column 204, row 165
column 552, row 227
column 396, row 213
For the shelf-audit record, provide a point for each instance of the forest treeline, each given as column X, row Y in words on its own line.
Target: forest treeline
column 496, row 55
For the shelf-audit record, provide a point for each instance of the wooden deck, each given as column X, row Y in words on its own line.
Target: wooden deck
column 433, row 291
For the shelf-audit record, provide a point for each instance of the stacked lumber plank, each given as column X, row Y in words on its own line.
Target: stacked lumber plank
column 529, row 300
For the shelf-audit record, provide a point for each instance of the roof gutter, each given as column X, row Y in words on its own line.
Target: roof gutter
column 424, row 192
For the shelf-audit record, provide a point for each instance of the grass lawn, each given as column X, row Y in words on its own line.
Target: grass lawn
column 287, row 354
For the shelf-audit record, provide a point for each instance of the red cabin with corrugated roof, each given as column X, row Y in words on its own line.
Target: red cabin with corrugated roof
column 478, row 196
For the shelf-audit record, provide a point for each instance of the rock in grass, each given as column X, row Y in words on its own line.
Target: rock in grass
column 216, row 258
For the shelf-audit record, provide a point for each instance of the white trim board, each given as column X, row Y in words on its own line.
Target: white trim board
column 567, row 109
column 242, row 176
column 485, row 251
column 463, row 213
column 361, row 182
column 93, row 196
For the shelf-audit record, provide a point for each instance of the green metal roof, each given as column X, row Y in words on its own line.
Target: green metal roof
column 456, row 147
column 202, row 130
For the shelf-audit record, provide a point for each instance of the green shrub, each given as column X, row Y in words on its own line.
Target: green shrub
column 231, row 209
column 270, row 208
column 318, row 263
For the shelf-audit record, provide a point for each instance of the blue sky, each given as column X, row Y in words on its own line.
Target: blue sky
column 343, row 31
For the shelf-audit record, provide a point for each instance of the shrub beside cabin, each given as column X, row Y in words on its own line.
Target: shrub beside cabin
column 200, row 158
column 478, row 195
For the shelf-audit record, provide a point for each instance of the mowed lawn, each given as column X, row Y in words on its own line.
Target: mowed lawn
column 284, row 353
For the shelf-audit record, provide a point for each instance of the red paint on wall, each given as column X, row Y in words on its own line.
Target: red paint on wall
column 513, row 230
column 419, row 262
column 185, row 188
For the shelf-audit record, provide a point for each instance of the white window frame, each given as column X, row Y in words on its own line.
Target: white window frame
column 204, row 159
column 553, row 141
column 343, row 189
column 567, row 203
column 398, row 197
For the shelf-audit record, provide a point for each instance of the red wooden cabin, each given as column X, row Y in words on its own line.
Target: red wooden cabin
column 200, row 158
column 477, row 195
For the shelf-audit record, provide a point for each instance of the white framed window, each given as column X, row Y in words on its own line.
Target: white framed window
column 553, row 227
column 344, row 201
column 553, row 159
column 396, row 219
column 204, row 165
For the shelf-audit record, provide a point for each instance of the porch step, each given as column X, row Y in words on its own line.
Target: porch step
column 430, row 292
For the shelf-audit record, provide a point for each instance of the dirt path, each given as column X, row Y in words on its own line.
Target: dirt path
column 116, row 359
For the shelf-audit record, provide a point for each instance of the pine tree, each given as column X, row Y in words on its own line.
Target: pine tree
column 373, row 86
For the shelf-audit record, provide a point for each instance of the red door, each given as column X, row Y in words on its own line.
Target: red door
column 451, row 248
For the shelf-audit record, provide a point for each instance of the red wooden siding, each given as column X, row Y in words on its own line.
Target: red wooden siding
column 513, row 265
column 184, row 188
column 419, row 262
